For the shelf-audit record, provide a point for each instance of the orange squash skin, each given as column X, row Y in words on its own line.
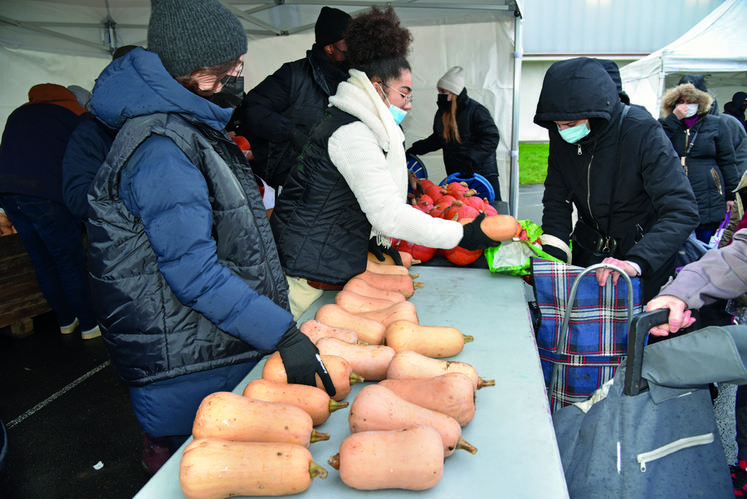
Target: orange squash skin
column 370, row 361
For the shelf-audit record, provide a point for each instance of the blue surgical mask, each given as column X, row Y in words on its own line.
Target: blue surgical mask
column 575, row 133
column 397, row 113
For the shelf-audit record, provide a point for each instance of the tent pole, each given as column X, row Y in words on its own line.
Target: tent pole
column 513, row 196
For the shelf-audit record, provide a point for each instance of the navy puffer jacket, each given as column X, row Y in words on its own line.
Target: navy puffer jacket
column 184, row 268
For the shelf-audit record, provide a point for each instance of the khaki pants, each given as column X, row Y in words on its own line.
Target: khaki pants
column 301, row 295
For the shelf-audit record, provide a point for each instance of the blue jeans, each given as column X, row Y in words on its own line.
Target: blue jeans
column 54, row 242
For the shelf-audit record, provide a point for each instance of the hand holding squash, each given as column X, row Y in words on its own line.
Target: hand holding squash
column 302, row 361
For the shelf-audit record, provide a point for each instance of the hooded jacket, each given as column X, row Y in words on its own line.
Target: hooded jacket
column 277, row 115
column 34, row 141
column 184, row 269
column 479, row 140
column 708, row 149
column 626, row 182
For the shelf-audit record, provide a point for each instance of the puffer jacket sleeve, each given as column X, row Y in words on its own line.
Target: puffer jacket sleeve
column 669, row 190
column 726, row 159
column 486, row 136
column 261, row 109
column 719, row 274
column 169, row 193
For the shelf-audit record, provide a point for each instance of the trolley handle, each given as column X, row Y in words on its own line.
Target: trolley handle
column 639, row 328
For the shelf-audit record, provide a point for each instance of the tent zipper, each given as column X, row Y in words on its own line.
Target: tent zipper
column 670, row 448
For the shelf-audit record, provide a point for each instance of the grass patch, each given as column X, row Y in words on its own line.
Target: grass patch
column 533, row 162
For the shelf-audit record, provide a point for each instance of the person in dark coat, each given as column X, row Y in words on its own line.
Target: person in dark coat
column 706, row 150
column 31, row 151
column 736, row 107
column 464, row 130
column 621, row 175
column 277, row 115
column 86, row 151
column 186, row 277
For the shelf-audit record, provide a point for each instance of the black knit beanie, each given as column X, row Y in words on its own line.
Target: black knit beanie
column 192, row 34
column 330, row 25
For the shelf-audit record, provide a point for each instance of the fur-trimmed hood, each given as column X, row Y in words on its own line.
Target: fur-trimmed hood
column 691, row 95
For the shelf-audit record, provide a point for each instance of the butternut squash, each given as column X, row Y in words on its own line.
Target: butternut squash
column 383, row 268
column 402, row 311
column 399, row 283
column 363, row 287
column 311, row 399
column 356, row 303
column 412, row 365
column 370, row 361
column 452, row 394
column 230, row 416
column 315, row 330
column 407, row 259
column 497, row 227
column 431, row 341
column 338, row 368
column 369, row 330
column 378, row 408
column 411, row 458
column 215, row 469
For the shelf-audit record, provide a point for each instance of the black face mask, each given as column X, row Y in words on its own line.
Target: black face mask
column 443, row 102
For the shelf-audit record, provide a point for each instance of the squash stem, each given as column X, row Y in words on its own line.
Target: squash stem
column 316, row 471
column 463, row 444
column 468, row 338
column 318, row 436
column 335, row 405
column 482, row 383
column 334, row 461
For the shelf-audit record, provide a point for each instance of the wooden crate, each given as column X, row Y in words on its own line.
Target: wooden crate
column 20, row 297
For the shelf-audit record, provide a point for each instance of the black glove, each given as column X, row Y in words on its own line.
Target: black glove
column 301, row 360
column 380, row 250
column 474, row 238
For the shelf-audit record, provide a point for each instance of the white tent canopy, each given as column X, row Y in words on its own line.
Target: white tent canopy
column 70, row 42
column 716, row 47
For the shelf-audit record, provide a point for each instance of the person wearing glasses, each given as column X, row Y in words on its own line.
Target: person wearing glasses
column 186, row 278
column 464, row 130
column 348, row 191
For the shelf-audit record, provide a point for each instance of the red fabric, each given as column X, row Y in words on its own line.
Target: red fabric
column 241, row 142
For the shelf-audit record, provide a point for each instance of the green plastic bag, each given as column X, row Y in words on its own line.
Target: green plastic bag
column 513, row 257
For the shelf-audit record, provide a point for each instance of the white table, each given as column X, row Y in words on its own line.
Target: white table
column 517, row 453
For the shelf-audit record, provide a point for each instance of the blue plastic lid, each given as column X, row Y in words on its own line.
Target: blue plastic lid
column 476, row 182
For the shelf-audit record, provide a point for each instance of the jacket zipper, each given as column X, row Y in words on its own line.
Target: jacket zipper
column 671, row 448
column 588, row 187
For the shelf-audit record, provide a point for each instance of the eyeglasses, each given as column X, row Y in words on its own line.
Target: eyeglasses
column 407, row 97
column 233, row 76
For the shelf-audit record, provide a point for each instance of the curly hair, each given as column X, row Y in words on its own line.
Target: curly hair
column 378, row 43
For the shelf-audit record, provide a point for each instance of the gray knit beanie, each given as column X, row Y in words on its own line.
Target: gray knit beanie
column 453, row 80
column 192, row 34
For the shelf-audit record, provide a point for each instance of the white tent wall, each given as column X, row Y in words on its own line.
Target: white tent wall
column 716, row 47
column 485, row 50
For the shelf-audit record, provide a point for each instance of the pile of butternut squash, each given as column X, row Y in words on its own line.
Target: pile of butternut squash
column 455, row 201
column 403, row 424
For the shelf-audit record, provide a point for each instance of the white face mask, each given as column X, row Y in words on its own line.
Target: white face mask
column 691, row 110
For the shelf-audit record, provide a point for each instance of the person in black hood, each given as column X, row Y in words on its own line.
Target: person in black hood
column 615, row 165
column 736, row 107
column 277, row 115
column 465, row 131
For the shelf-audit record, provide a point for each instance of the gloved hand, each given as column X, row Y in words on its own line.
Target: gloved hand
column 474, row 238
column 416, row 185
column 380, row 250
column 302, row 361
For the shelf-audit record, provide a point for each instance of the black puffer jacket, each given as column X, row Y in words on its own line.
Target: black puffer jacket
column 653, row 209
column 277, row 115
column 708, row 148
column 320, row 230
column 479, row 140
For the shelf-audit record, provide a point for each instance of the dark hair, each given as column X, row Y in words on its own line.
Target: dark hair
column 451, row 130
column 378, row 43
